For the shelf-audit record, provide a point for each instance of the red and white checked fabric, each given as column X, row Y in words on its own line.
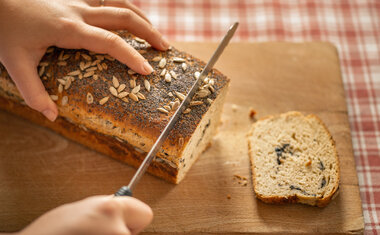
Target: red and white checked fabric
column 353, row 26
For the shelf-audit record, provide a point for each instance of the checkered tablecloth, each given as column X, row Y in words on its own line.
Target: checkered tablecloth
column 353, row 26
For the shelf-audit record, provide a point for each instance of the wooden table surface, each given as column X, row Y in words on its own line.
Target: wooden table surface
column 40, row 170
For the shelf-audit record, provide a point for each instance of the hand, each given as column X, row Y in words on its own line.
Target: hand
column 28, row 28
column 99, row 215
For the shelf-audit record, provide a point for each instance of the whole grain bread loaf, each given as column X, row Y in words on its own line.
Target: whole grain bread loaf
column 108, row 107
column 293, row 159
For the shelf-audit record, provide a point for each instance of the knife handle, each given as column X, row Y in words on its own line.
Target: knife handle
column 124, row 191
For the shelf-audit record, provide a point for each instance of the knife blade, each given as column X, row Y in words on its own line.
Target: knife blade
column 127, row 190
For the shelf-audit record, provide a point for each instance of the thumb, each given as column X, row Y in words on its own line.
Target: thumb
column 23, row 70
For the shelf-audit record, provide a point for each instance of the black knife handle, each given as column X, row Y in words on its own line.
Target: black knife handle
column 124, row 191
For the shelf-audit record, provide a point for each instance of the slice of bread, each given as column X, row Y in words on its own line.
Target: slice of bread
column 293, row 159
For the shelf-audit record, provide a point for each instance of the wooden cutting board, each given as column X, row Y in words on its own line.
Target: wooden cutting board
column 40, row 170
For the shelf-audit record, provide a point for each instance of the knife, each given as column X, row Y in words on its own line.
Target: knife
column 127, row 190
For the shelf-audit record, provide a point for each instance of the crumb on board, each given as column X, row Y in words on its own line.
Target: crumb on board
column 252, row 113
column 228, row 196
column 234, row 107
column 242, row 180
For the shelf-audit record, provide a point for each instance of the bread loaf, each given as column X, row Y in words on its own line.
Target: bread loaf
column 106, row 106
column 293, row 159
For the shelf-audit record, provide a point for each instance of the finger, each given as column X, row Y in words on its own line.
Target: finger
column 120, row 3
column 121, row 18
column 137, row 215
column 102, row 41
column 23, row 71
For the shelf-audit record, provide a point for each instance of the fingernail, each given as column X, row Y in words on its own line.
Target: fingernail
column 49, row 115
column 147, row 68
column 164, row 43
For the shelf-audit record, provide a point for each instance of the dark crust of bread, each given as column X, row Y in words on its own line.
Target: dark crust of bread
column 141, row 118
column 314, row 201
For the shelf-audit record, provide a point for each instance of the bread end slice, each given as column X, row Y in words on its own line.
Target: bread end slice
column 293, row 159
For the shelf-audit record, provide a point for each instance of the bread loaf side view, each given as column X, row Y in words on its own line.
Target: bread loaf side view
column 108, row 107
column 293, row 159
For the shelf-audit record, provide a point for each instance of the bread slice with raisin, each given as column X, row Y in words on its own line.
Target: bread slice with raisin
column 293, row 159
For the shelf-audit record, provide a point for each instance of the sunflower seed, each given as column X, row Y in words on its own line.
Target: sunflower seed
column 131, row 72
column 141, row 96
column 170, row 94
column 62, row 81
column 175, row 105
column 133, row 97
column 104, row 100
column 122, row 94
column 95, row 62
column 147, row 85
column 157, row 58
column 87, row 64
column 132, row 83
column 186, row 111
column 121, row 88
column 140, row 40
column 54, row 97
column 206, row 80
column 212, row 89
column 196, row 102
column 64, row 100
column 203, row 93
column 74, row 73
column 100, row 57
column 43, row 63
column 115, row 82
column 77, row 55
column 86, row 57
column 180, row 142
column 100, row 68
column 125, row 99
column 162, row 63
column 196, row 74
column 109, row 58
column 167, row 107
column 50, row 50
column 60, row 88
column 80, row 76
column 178, row 60
column 68, row 84
column 88, row 74
column 209, row 100
column 62, row 63
column 113, row 91
column 163, row 72
column 142, row 52
column 41, row 71
column 89, row 98
column 91, row 69
column 81, row 65
column 136, row 89
column 184, row 66
column 61, row 55
column 174, row 75
column 168, row 78
column 65, row 57
column 104, row 65
column 162, row 110
column 180, row 95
